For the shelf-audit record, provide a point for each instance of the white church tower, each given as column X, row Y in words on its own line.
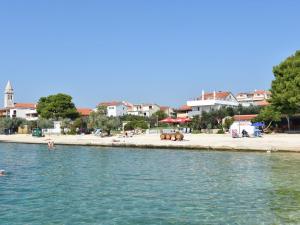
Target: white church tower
column 8, row 96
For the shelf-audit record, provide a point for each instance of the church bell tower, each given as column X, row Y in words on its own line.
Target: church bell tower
column 8, row 96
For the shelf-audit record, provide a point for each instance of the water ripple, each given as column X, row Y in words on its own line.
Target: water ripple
column 86, row 185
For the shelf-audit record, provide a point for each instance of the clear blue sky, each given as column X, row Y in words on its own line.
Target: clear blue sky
column 143, row 51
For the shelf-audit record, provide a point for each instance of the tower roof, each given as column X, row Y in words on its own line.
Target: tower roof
column 8, row 87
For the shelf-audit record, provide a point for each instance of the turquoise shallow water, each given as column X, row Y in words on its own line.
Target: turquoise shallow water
column 87, row 185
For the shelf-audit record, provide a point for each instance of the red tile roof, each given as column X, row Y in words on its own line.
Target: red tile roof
column 25, row 105
column 261, row 92
column 220, row 95
column 244, row 117
column 163, row 108
column 184, row 108
column 262, row 103
column 84, row 111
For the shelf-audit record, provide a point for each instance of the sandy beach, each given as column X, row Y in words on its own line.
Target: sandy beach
column 271, row 142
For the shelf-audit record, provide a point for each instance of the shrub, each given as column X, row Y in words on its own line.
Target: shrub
column 135, row 125
column 221, row 131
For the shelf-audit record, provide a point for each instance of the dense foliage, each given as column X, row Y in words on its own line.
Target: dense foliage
column 132, row 125
column 269, row 114
column 56, row 107
column 99, row 120
column 156, row 117
column 219, row 119
column 136, row 122
column 285, row 88
column 10, row 125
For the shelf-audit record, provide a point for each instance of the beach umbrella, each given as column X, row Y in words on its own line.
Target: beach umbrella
column 168, row 120
column 183, row 120
column 258, row 124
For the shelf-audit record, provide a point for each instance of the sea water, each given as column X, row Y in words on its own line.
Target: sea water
column 90, row 185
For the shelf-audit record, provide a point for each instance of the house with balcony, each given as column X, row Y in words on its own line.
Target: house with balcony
column 115, row 108
column 183, row 111
column 256, row 98
column 24, row 111
column 146, row 110
column 212, row 101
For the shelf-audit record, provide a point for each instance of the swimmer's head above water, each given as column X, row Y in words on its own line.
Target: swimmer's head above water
column 2, row 172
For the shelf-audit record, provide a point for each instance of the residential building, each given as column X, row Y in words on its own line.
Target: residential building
column 24, row 111
column 212, row 101
column 258, row 97
column 183, row 111
column 17, row 110
column 115, row 108
column 168, row 110
column 146, row 110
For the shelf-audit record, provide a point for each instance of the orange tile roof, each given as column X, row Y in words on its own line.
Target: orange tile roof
column 25, row 106
column 220, row 95
column 262, row 103
column 84, row 111
column 164, row 108
column 262, row 92
column 184, row 108
column 244, row 117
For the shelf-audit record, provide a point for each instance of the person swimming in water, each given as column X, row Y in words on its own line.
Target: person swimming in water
column 50, row 144
column 2, row 173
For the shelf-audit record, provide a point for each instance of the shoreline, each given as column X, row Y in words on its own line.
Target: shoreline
column 215, row 142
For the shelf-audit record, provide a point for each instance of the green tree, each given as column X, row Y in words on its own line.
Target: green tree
column 269, row 114
column 196, row 123
column 44, row 123
column 285, row 87
column 57, row 106
column 79, row 124
column 100, row 120
column 160, row 115
column 228, row 122
column 11, row 124
column 156, row 117
column 241, row 110
column 136, row 125
column 208, row 120
column 102, row 109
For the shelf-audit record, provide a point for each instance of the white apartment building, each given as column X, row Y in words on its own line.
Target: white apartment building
column 115, row 108
column 143, row 109
column 212, row 101
column 258, row 97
